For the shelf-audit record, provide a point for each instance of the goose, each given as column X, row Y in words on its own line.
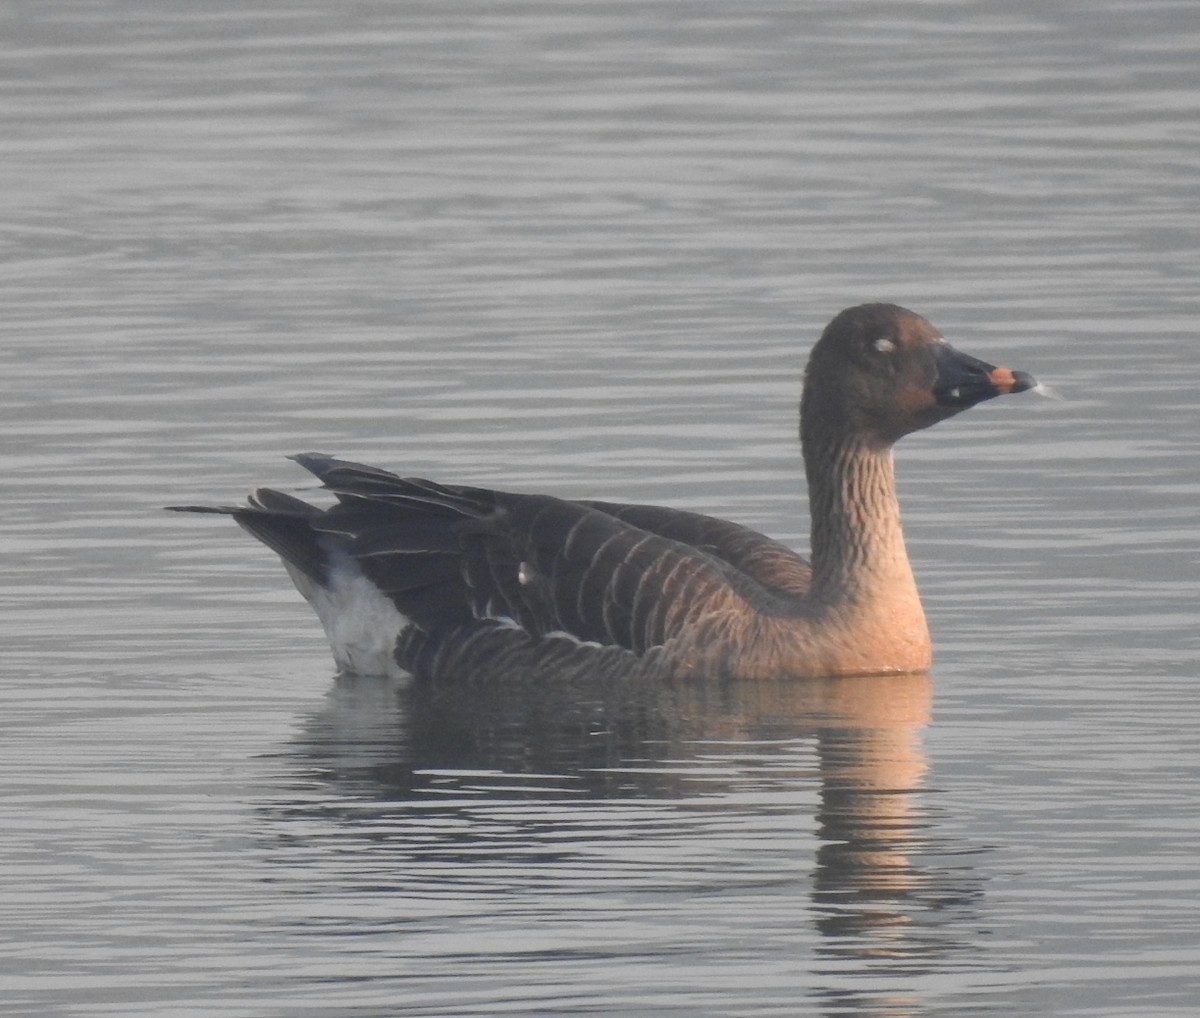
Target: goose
column 415, row 578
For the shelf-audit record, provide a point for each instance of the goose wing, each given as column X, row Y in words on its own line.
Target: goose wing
column 633, row 577
column 773, row 565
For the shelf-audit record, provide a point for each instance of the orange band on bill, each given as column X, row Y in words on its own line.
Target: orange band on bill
column 1002, row 380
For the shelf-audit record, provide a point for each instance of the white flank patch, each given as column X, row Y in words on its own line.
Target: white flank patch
column 361, row 623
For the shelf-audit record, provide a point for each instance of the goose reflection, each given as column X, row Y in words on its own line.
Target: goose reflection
column 849, row 748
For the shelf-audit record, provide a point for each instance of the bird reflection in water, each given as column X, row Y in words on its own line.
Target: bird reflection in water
column 869, row 820
column 400, row 755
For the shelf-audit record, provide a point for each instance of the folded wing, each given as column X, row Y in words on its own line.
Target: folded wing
column 630, row 577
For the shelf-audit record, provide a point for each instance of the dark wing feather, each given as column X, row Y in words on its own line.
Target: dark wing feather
column 404, row 533
column 618, row 576
column 769, row 563
column 460, row 560
column 283, row 523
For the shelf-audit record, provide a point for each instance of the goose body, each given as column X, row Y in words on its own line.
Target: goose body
column 436, row 580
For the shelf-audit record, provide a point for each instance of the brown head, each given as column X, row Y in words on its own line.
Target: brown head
column 879, row 372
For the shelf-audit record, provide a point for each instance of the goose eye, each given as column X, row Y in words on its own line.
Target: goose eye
column 884, row 345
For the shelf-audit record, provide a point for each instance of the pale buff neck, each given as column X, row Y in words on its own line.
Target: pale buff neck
column 859, row 561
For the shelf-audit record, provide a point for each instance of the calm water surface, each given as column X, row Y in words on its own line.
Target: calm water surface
column 585, row 249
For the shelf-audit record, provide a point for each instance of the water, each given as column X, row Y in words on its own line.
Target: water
column 584, row 250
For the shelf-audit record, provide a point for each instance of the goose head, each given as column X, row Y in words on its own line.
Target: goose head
column 880, row 372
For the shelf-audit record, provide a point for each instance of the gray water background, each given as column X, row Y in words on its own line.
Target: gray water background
column 584, row 249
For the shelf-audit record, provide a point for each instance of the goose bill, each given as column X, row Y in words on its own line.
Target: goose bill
column 963, row 380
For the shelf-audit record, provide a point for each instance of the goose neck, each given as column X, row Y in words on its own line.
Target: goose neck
column 858, row 551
